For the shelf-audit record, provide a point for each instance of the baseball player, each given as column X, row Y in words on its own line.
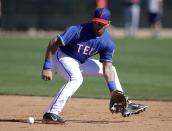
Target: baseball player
column 69, row 54
column 131, row 16
column 155, row 12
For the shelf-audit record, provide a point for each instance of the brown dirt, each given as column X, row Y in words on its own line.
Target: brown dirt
column 82, row 115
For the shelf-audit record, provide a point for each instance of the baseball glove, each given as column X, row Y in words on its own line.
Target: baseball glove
column 118, row 102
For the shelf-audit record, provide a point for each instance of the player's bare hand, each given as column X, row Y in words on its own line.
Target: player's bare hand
column 47, row 75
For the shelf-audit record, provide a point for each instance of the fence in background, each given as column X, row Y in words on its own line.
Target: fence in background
column 58, row 14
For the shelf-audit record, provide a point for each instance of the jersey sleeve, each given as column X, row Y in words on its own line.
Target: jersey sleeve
column 107, row 52
column 69, row 35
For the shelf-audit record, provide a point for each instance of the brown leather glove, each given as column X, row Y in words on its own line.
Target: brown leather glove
column 118, row 102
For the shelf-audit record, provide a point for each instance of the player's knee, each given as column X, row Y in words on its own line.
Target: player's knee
column 78, row 80
column 114, row 69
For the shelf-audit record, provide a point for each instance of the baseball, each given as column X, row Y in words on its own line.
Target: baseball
column 30, row 120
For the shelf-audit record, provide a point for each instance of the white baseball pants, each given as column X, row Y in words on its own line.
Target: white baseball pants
column 71, row 70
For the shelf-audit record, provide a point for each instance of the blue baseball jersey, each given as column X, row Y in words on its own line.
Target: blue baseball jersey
column 80, row 43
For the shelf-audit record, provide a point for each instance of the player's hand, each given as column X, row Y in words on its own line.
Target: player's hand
column 47, row 75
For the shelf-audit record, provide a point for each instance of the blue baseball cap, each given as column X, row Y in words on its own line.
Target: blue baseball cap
column 102, row 15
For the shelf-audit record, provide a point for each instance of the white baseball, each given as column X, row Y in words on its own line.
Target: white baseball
column 30, row 120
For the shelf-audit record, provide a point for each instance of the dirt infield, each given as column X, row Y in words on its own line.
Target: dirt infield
column 82, row 115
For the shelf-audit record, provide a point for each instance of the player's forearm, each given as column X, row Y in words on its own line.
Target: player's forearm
column 108, row 71
column 109, row 76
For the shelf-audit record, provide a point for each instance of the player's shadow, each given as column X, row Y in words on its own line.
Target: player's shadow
column 37, row 121
column 12, row 120
column 97, row 121
column 19, row 120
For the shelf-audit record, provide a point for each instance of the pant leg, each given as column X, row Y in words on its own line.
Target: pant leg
column 135, row 18
column 128, row 20
column 93, row 67
column 69, row 69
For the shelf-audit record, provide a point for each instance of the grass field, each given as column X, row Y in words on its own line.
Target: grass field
column 144, row 67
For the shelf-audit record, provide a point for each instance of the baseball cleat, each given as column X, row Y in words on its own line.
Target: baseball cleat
column 50, row 118
column 133, row 109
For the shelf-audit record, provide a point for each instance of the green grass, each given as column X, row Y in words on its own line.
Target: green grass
column 144, row 67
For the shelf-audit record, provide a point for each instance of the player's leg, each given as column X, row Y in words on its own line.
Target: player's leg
column 157, row 25
column 93, row 67
column 69, row 69
column 127, row 20
column 135, row 18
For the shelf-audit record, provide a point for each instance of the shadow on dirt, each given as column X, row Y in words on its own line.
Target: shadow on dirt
column 96, row 122
column 67, row 121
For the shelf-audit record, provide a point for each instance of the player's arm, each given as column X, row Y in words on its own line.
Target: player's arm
column 51, row 49
column 106, row 59
column 118, row 101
